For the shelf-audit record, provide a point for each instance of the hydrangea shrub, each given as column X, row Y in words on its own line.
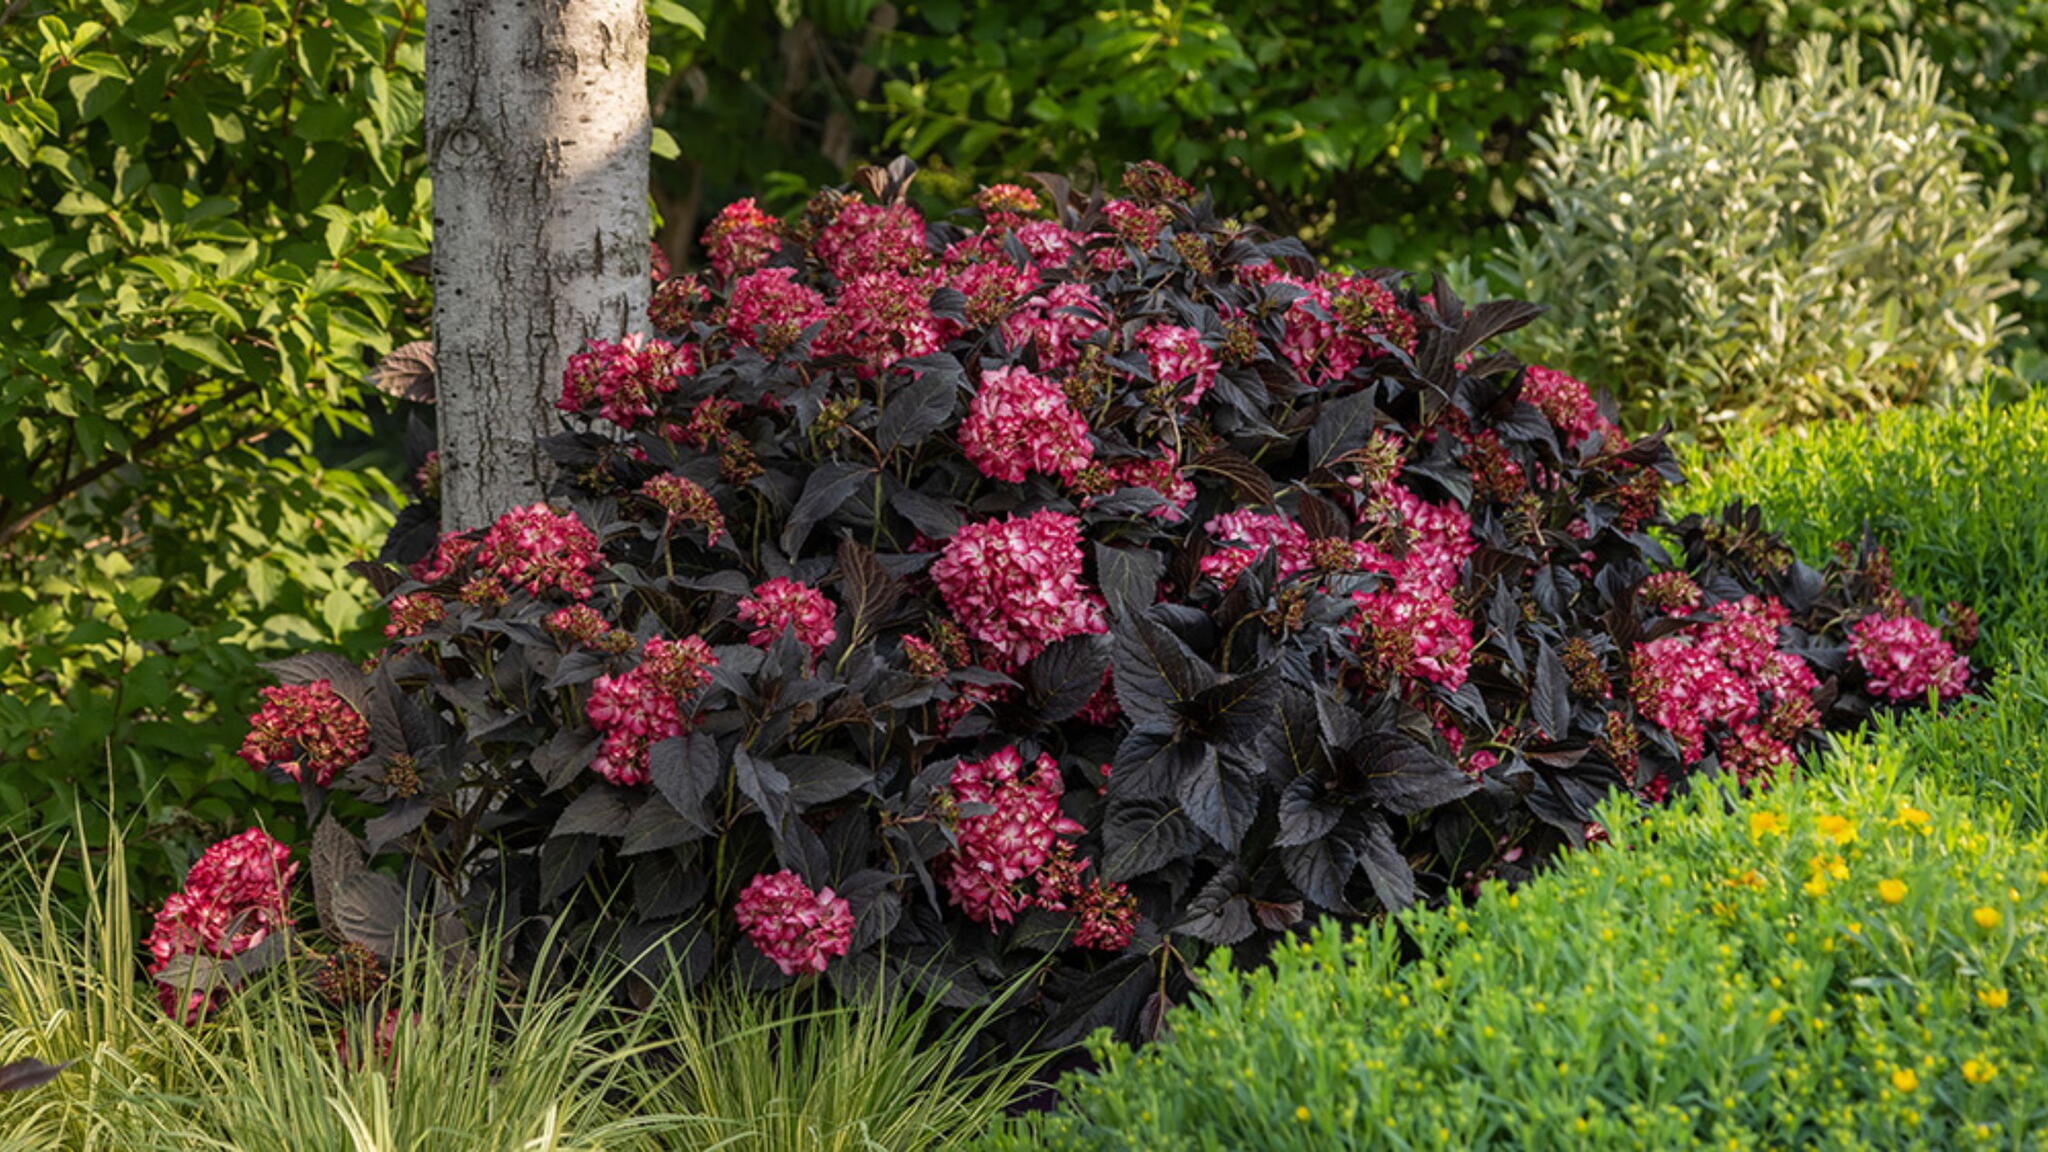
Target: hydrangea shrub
column 1059, row 586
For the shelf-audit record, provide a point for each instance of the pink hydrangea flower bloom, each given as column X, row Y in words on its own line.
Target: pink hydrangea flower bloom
column 1058, row 322
column 1015, row 585
column 1413, row 630
column 1569, row 406
column 235, row 896
column 1179, row 359
column 741, row 239
column 796, row 928
column 780, row 604
column 644, row 706
column 865, row 239
column 542, row 550
column 306, row 731
column 622, row 382
column 412, row 613
column 880, row 318
column 1906, row 657
column 1050, row 243
column 769, row 309
column 1256, row 532
column 989, row 875
column 1019, row 422
column 1724, row 673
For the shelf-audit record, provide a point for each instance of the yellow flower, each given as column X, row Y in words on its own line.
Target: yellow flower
column 1301, row 1114
column 1911, row 817
column 1762, row 824
column 1816, row 887
column 1837, row 829
column 1905, row 1080
column 1891, row 891
column 1749, row 879
column 1986, row 918
column 1979, row 1071
column 1993, row 997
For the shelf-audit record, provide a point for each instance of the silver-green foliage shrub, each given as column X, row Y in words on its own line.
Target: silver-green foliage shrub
column 1790, row 248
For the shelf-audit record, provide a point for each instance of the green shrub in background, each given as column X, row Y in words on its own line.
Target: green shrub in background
column 1960, row 499
column 1383, row 132
column 205, row 210
column 1783, row 249
column 1843, row 964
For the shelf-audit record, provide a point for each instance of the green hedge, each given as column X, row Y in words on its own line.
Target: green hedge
column 1690, row 985
column 1959, row 497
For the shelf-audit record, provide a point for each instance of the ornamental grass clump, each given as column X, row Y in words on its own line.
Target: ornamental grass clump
column 1045, row 592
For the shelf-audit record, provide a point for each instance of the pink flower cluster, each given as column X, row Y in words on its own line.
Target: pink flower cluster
column 623, row 381
column 880, row 318
column 1332, row 327
column 1020, row 422
column 1569, row 405
column 796, row 928
column 992, row 874
column 1015, row 585
column 992, row 287
column 1012, row 858
column 769, row 309
column 741, row 239
column 412, row 613
column 235, row 896
column 542, row 550
column 579, row 624
column 450, row 553
column 1243, row 538
column 307, row 732
column 781, row 604
column 1161, row 474
column 865, row 239
column 1058, row 322
column 686, row 502
column 1727, row 674
column 1179, row 359
column 1905, row 658
column 644, row 706
column 1413, row 629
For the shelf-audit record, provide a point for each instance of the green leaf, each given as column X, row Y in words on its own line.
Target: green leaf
column 205, row 347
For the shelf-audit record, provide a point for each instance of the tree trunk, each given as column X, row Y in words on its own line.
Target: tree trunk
column 537, row 141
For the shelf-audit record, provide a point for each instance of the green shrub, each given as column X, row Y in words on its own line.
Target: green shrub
column 1772, row 250
column 1707, row 980
column 1959, row 498
column 205, row 212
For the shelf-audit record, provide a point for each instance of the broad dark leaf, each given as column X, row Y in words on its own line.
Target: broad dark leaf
column 686, row 770
column 656, row 825
column 1217, row 794
column 1389, row 873
column 407, row 372
column 869, row 591
column 1405, row 778
column 815, row 780
column 1307, row 812
column 599, row 810
column 1252, row 484
column 1550, row 702
column 1156, row 674
column 1061, row 680
column 1129, row 578
column 22, row 1075
column 1141, row 836
column 370, row 908
column 564, row 757
column 825, row 491
column 1342, row 425
column 913, row 411
column 1236, row 711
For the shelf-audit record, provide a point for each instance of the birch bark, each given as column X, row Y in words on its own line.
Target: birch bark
column 537, row 140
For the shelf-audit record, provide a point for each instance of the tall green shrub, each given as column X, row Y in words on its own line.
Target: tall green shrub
column 1788, row 248
column 205, row 214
